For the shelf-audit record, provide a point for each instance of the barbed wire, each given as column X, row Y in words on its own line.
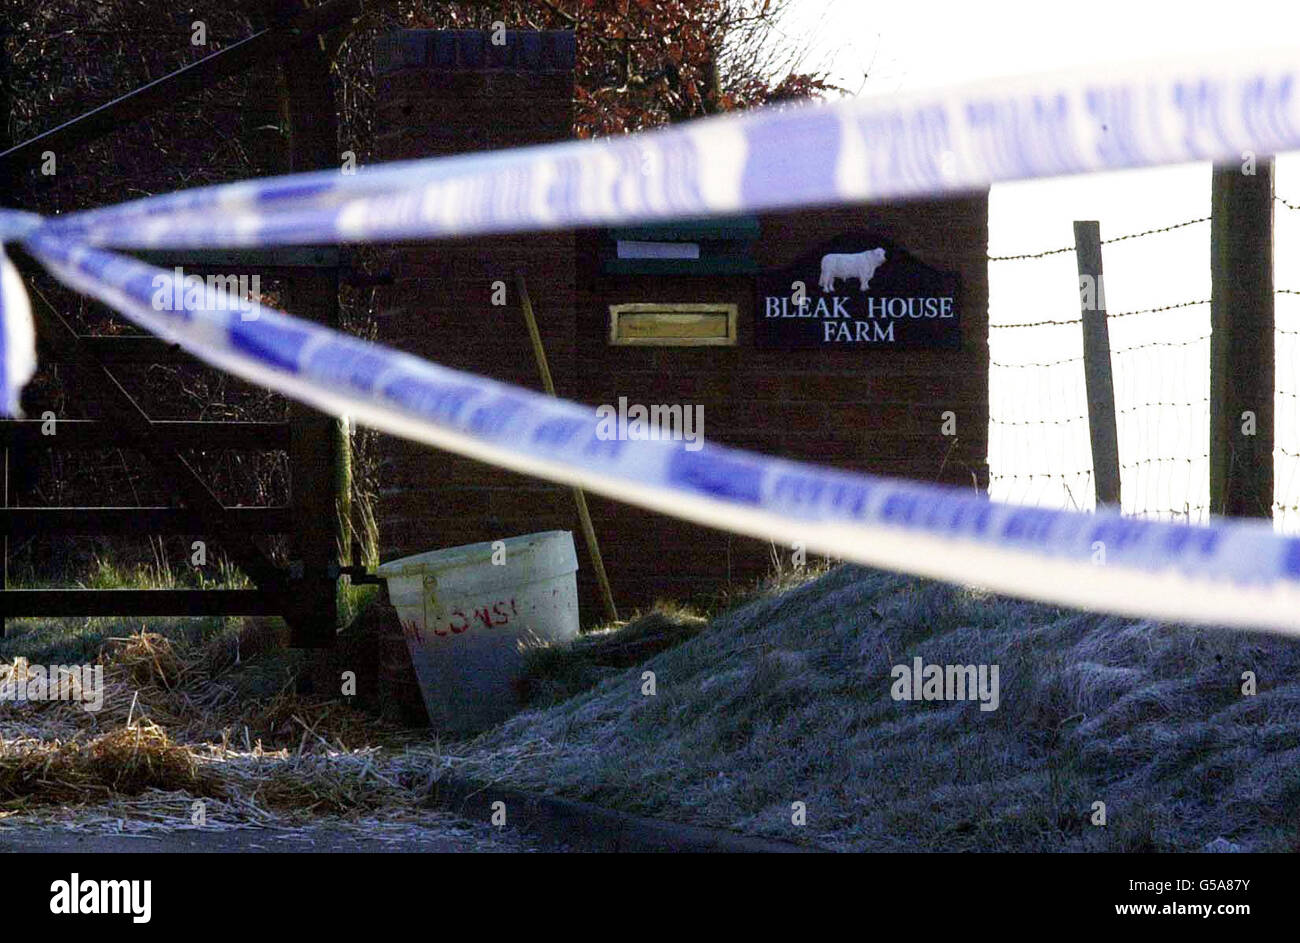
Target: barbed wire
column 1128, row 314
column 1159, row 309
column 1033, row 363
column 1040, row 416
column 1154, row 404
column 1037, row 422
column 1035, row 324
column 1110, row 314
column 1115, row 352
column 1104, row 242
column 1134, row 235
column 1162, row 404
column 1017, row 476
column 1087, row 472
column 1158, row 459
column 1149, row 344
column 1030, row 255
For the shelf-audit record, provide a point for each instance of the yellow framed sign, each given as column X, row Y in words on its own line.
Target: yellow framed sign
column 692, row 324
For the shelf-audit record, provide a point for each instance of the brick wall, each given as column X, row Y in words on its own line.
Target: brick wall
column 871, row 410
column 446, row 92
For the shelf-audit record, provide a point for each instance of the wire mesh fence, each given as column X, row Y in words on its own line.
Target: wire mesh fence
column 1039, row 447
column 1286, row 452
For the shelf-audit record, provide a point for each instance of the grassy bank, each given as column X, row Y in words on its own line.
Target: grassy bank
column 725, row 716
column 787, row 698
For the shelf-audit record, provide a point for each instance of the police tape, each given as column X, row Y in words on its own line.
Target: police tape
column 1230, row 573
column 17, row 337
column 922, row 144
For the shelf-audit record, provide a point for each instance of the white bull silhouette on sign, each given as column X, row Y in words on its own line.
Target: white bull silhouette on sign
column 859, row 265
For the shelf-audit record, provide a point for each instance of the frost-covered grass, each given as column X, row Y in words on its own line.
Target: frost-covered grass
column 554, row 673
column 786, row 698
column 81, row 639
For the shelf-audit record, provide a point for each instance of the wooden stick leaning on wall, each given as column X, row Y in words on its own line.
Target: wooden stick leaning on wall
column 579, row 498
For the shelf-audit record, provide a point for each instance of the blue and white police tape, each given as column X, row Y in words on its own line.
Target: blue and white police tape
column 922, row 143
column 1230, row 573
column 17, row 337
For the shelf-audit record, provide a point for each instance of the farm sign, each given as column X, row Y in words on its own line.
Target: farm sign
column 858, row 291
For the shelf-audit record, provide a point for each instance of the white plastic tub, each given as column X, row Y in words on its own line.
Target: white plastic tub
column 468, row 620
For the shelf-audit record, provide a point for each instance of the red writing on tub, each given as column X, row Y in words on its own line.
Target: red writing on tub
column 459, row 621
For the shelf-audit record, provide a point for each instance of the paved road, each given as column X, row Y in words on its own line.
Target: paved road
column 322, row 840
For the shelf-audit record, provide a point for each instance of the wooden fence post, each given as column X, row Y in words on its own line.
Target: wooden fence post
column 319, row 469
column 1241, row 339
column 1096, row 364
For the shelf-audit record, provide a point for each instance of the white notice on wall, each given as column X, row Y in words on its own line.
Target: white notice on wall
column 634, row 249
